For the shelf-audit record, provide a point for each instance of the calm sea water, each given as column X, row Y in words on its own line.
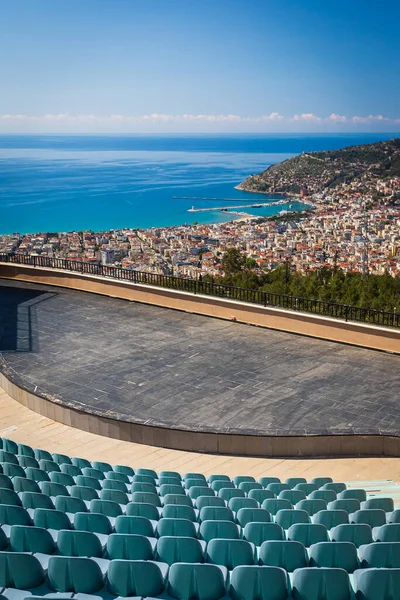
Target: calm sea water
column 64, row 183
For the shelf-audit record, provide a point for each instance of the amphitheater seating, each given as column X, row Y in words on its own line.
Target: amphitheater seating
column 70, row 528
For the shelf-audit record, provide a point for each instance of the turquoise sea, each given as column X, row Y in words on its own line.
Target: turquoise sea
column 64, row 183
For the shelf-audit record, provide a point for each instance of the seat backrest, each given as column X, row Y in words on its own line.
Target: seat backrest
column 359, row 534
column 143, row 479
column 236, row 504
column 210, row 530
column 322, row 583
column 217, row 477
column 341, row 555
column 380, row 555
column 216, row 513
column 6, row 483
column 63, row 478
column 36, row 500
column 307, row 488
column 374, row 517
column 10, row 445
column 247, row 486
column 177, row 511
column 358, row 494
column 194, row 476
column 188, row 483
column 261, row 582
column 80, row 462
column 135, row 578
column 196, row 581
column 261, row 495
column 307, row 533
column 42, row 454
column 142, row 509
column 8, row 457
column 91, row 472
column 273, row 505
column 88, row 481
column 79, row 543
column 326, row 495
column 8, row 496
column 311, row 506
column 53, row 489
column 170, row 488
column 230, row 553
column 331, row 518
column 228, row 493
column 277, row 488
column 147, row 497
column 350, row 505
column 14, row 515
column 388, row 533
column 179, row 499
column 265, row 481
column 69, row 504
column 22, row 484
column 179, row 527
column 25, row 450
column 197, row 491
column 113, row 497
column 219, row 485
column 20, row 570
column 37, row 474
column 113, row 476
column 74, row 574
column 51, row 519
column 128, row 546
column 164, row 480
column 288, row 517
column 124, row 469
column 48, row 465
column 393, row 516
column 335, row 486
column 257, row 533
column 294, row 496
column 12, row 470
column 385, row 504
column 61, row 459
column 242, row 478
column 149, row 473
column 288, row 555
column 83, row 492
column 172, row 549
column 293, row 481
column 25, row 538
column 172, row 474
column 94, row 522
column 102, row 466
column 134, row 525
column 377, row 584
column 116, row 484
column 27, row 461
column 149, row 488
column 321, row 481
column 247, row 515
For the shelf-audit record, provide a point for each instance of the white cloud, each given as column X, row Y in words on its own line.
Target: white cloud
column 337, row 118
column 310, row 117
column 370, row 119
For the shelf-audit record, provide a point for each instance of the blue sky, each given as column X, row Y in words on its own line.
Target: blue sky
column 199, row 65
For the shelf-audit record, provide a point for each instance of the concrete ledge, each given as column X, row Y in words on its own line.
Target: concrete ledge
column 357, row 334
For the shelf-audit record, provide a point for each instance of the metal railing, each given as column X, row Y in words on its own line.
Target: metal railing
column 259, row 297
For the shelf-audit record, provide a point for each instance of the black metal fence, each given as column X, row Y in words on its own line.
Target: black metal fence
column 192, row 286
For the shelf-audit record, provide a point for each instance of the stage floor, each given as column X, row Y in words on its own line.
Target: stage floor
column 162, row 367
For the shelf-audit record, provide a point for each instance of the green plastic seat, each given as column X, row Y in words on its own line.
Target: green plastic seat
column 216, row 513
column 31, row 539
column 22, row 484
column 83, row 492
column 3, row 539
column 197, row 581
column 124, row 469
column 93, row 522
column 167, row 488
column 74, row 574
column 288, row 555
column 210, row 530
column 116, row 484
column 14, row 515
column 51, row 519
column 358, row 494
column 236, row 504
column 68, row 504
column 147, row 473
column 62, row 478
column 142, row 509
column 143, row 479
column 114, row 496
column 178, row 499
column 8, row 457
column 307, row 488
column 34, row 500
column 42, row 454
column 128, row 546
column 242, row 478
column 220, row 485
column 277, row 488
column 176, row 527
column 385, row 504
column 257, row 533
column 374, row 517
column 27, row 461
column 247, row 486
column 380, row 555
column 249, row 515
column 88, row 482
column 53, row 489
column 21, row 571
column 102, row 466
column 358, row 534
column 13, row 470
column 197, row 491
column 230, row 553
column 48, row 465
column 393, row 516
column 311, row 506
column 203, row 501
column 106, row 507
column 128, row 578
column 164, row 480
column 265, row 481
column 350, row 505
column 80, row 462
column 261, row 582
column 338, row 555
column 91, row 472
column 72, row 470
column 331, row 518
column 229, row 493
column 37, row 474
column 377, row 584
column 188, row 483
column 321, row 481
column 274, row 505
column 193, row 476
column 61, row 459
column 326, row 495
column 216, row 477
column 294, row 496
column 9, row 497
column 172, row 474
column 288, row 517
column 25, row 450
column 147, row 488
column 147, row 498
column 335, row 486
column 5, row 482
column 79, row 543
column 261, row 495
column 293, row 481
column 172, row 549
column 116, row 476
column 307, row 533
column 134, row 525
column 387, row 533
column 313, row 583
column 178, row 511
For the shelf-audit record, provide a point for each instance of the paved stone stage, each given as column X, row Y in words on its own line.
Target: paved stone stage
column 162, row 367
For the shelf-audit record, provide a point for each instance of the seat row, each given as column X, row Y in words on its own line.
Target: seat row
column 23, row 576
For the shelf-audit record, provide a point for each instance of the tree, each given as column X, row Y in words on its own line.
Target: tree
column 233, row 261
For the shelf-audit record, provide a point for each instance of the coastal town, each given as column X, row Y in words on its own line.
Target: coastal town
column 354, row 227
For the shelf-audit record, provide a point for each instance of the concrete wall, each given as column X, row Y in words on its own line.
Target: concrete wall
column 357, row 334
